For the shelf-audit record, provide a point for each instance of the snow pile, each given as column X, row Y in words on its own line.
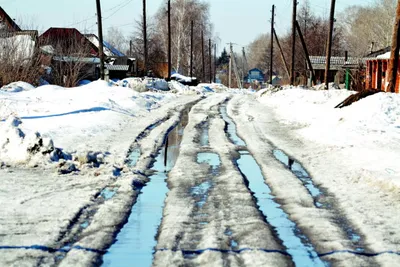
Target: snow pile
column 136, row 84
column 67, row 115
column 379, row 113
column 179, row 88
column 212, row 87
column 18, row 148
column 156, row 84
column 181, row 78
column 17, row 87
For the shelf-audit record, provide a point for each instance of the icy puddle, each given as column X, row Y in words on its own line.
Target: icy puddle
column 200, row 192
column 297, row 245
column 298, row 170
column 299, row 248
column 136, row 241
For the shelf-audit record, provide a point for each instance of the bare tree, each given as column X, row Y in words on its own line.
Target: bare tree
column 19, row 58
column 368, row 25
column 117, row 39
column 183, row 12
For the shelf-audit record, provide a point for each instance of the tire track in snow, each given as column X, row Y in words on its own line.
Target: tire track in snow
column 331, row 216
column 231, row 231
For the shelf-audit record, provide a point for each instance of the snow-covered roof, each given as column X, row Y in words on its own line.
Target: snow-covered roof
column 17, row 47
column 384, row 56
column 109, row 50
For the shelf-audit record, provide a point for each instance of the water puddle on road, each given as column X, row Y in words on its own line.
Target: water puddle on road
column 298, row 246
column 201, row 191
column 297, row 169
column 136, row 241
column 319, row 197
column 204, row 139
column 300, row 249
column 230, row 128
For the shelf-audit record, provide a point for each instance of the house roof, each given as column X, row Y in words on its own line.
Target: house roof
column 379, row 52
column 117, row 67
column 319, row 62
column 8, row 21
column 66, row 38
column 18, row 46
column 109, row 50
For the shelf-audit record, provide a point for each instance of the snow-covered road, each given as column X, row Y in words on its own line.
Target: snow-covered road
column 232, row 200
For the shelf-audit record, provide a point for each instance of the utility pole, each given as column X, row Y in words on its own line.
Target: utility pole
column 130, row 48
column 329, row 44
column 144, row 38
column 394, row 55
column 100, row 32
column 294, row 17
column 169, row 40
column 202, row 57
column 272, row 45
column 230, row 65
column 215, row 62
column 210, row 57
column 191, row 49
column 243, row 64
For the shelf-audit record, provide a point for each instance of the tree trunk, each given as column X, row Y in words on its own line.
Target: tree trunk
column 394, row 55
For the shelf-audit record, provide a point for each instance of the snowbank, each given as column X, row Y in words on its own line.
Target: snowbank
column 69, row 116
column 17, row 87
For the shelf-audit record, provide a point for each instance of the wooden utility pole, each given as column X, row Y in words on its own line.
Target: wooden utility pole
column 243, row 64
column 272, row 45
column 100, row 32
column 130, row 48
column 303, row 43
column 394, row 55
column 202, row 57
column 282, row 55
column 294, row 17
column 210, row 57
column 329, row 44
column 144, row 38
column 191, row 49
column 230, row 65
column 169, row 40
column 215, row 63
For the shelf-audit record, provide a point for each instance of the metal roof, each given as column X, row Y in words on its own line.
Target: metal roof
column 117, row 67
column 319, row 62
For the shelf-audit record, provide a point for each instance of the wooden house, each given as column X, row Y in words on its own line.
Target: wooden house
column 377, row 77
column 6, row 23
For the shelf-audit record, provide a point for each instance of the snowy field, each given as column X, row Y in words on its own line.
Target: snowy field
column 67, row 179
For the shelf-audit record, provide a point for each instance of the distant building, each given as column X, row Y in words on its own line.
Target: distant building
column 338, row 65
column 255, row 75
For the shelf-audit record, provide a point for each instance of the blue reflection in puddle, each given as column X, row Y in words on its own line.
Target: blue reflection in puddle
column 204, row 139
column 201, row 191
column 133, row 157
column 300, row 249
column 297, row 169
column 136, row 241
column 231, row 127
column 108, row 193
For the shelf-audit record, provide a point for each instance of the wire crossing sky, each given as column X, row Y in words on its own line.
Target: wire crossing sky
column 234, row 21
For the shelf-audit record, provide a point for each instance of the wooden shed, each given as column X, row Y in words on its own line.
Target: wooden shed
column 377, row 77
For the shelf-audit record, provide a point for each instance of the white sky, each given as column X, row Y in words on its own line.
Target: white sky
column 234, row 21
